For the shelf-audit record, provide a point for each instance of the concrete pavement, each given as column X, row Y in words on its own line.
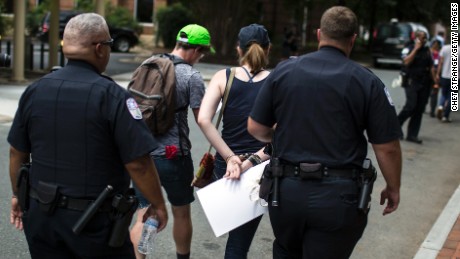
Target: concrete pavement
column 435, row 239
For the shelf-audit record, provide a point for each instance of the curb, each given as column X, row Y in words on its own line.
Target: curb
column 438, row 234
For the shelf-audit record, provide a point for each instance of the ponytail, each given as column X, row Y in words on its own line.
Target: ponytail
column 256, row 57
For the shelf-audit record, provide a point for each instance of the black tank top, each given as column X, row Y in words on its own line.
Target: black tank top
column 239, row 104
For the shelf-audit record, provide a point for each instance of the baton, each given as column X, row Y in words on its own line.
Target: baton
column 91, row 210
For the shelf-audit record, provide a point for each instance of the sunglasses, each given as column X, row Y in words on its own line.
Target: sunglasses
column 107, row 42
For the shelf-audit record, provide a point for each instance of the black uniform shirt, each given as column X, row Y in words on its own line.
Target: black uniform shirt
column 420, row 68
column 81, row 128
column 322, row 103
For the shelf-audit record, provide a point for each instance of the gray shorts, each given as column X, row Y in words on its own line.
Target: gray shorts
column 175, row 175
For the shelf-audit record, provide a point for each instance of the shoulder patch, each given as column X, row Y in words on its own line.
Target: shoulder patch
column 389, row 96
column 133, row 108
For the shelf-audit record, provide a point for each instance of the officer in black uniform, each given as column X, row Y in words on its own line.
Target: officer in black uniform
column 84, row 133
column 315, row 110
column 421, row 74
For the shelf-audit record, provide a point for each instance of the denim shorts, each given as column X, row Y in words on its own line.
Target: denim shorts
column 176, row 176
column 220, row 167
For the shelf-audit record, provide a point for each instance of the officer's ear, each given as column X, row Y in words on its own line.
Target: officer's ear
column 353, row 39
column 99, row 50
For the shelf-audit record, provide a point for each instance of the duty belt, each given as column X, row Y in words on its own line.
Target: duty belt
column 323, row 172
column 67, row 202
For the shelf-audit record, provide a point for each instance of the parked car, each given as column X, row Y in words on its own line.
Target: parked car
column 123, row 38
column 389, row 40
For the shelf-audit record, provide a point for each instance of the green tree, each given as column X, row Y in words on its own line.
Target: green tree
column 2, row 21
column 170, row 20
column 120, row 17
column 223, row 19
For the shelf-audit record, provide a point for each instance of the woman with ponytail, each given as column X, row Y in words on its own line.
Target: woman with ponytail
column 253, row 49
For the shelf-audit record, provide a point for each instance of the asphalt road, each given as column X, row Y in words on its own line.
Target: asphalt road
column 430, row 176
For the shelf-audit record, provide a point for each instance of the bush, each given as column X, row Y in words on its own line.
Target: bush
column 115, row 16
column 170, row 20
column 35, row 15
column 120, row 17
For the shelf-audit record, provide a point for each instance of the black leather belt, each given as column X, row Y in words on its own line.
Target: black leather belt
column 295, row 171
column 67, row 202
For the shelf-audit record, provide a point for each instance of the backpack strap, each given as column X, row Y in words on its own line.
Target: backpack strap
column 175, row 59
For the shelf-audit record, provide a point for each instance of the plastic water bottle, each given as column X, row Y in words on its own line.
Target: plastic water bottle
column 149, row 232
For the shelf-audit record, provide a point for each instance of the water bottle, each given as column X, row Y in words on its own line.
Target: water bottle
column 149, row 232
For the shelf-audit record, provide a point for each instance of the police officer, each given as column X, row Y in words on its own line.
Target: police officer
column 421, row 74
column 321, row 104
column 84, row 133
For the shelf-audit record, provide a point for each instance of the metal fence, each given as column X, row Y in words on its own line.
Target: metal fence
column 36, row 53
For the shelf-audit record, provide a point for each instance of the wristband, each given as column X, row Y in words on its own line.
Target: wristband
column 254, row 159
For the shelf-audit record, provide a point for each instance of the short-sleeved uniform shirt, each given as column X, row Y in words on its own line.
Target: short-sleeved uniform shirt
column 189, row 93
column 419, row 69
column 80, row 128
column 322, row 103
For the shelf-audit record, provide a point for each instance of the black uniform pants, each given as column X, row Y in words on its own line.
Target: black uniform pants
column 52, row 237
column 417, row 94
column 316, row 219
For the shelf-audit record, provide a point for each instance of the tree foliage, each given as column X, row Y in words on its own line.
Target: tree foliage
column 115, row 16
column 171, row 19
column 224, row 18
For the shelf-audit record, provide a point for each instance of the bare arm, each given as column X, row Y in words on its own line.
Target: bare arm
column 389, row 159
column 16, row 159
column 208, row 108
column 247, row 164
column 260, row 131
column 144, row 174
column 196, row 112
column 438, row 71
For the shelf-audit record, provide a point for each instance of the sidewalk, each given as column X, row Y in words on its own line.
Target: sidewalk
column 443, row 241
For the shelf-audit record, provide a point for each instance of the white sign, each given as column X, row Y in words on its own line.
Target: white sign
column 227, row 203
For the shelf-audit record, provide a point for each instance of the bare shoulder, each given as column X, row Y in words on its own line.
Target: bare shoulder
column 219, row 77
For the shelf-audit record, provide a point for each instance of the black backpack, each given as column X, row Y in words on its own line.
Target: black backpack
column 153, row 86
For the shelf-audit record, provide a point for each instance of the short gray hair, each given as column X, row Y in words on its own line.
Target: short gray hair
column 339, row 23
column 84, row 28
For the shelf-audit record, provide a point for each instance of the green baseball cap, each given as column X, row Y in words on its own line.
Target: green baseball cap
column 195, row 34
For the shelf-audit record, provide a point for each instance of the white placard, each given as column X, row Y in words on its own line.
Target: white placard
column 226, row 203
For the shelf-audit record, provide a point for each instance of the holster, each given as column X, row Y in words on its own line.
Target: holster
column 266, row 183
column 124, row 208
column 367, row 179
column 48, row 197
column 22, row 184
column 269, row 182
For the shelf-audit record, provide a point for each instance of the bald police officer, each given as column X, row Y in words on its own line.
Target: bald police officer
column 84, row 133
column 321, row 104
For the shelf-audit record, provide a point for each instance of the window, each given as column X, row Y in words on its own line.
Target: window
column 144, row 11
